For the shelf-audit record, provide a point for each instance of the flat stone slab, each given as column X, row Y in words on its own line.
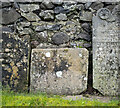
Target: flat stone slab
column 106, row 53
column 59, row 71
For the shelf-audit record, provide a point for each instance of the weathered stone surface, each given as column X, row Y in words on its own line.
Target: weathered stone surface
column 46, row 5
column 28, row 7
column 47, row 15
column 40, row 28
column 110, row 7
column 53, row 26
column 31, row 16
column 116, row 12
column 87, row 45
column 59, row 71
column 71, row 6
column 23, row 24
column 106, row 53
column 25, row 31
column 80, row 7
column 84, row 36
column 6, row 29
column 61, row 17
column 60, row 9
column 42, row 36
column 15, row 64
column 86, row 27
column 5, row 4
column 87, row 5
column 96, row 5
column 86, row 16
column 9, row 16
column 60, row 38
column 72, row 28
column 56, row 2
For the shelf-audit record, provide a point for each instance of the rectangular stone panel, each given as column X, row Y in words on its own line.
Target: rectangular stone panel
column 59, row 71
column 15, row 61
column 106, row 49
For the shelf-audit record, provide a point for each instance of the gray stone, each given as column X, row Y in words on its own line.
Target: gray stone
column 31, row 16
column 96, row 5
column 110, row 7
column 86, row 27
column 40, row 28
column 6, row 29
column 106, row 56
column 60, row 38
column 70, row 6
column 54, row 27
column 46, row 5
column 23, row 24
column 16, row 5
column 56, row 2
column 25, row 31
column 34, row 43
column 87, row 45
column 86, row 16
column 87, row 5
column 47, row 15
column 80, row 7
column 42, row 36
column 116, row 11
column 84, row 36
column 28, row 7
column 61, row 17
column 40, row 23
column 9, row 16
column 59, row 71
column 5, row 4
column 60, row 9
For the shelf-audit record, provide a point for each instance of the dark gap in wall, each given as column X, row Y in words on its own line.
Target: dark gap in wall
column 90, row 90
column 90, row 72
column 29, row 68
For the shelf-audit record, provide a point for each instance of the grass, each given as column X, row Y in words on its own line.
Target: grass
column 41, row 99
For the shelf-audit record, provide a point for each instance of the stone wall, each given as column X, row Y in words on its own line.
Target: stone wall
column 41, row 25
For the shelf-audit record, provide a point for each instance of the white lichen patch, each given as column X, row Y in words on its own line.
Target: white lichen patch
column 100, row 49
column 85, row 78
column 47, row 54
column 80, row 55
column 59, row 74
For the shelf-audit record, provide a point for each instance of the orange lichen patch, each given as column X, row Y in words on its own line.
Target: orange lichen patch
column 11, row 77
column 15, row 69
column 9, row 70
column 12, row 63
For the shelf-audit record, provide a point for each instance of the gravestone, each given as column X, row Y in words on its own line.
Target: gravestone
column 15, row 61
column 59, row 71
column 106, row 52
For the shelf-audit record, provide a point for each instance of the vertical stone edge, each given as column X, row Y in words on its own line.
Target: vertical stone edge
column 93, row 44
column 0, row 60
column 119, row 58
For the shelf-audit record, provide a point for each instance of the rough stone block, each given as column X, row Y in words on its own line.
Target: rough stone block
column 59, row 71
column 15, row 61
column 106, row 53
